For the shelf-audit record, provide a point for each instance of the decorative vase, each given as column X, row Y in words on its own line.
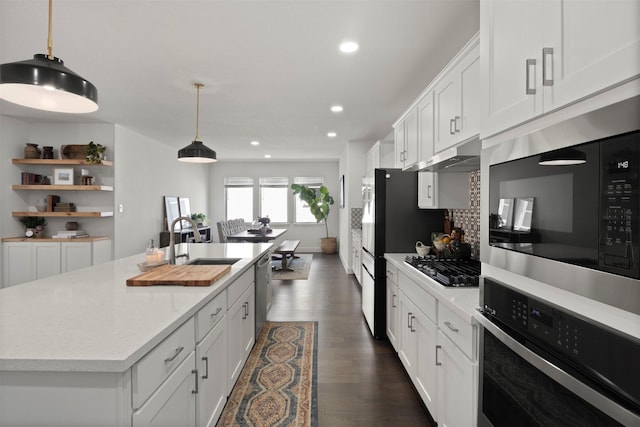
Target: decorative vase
column 31, row 151
column 47, row 152
column 328, row 245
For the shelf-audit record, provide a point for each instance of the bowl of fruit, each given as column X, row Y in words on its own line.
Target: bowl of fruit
column 440, row 240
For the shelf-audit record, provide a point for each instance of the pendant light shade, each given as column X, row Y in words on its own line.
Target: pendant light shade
column 45, row 83
column 197, row 152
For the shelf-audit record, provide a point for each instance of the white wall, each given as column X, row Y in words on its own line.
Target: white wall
column 308, row 234
column 145, row 172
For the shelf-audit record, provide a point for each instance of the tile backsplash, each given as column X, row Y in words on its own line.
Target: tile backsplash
column 356, row 218
column 469, row 219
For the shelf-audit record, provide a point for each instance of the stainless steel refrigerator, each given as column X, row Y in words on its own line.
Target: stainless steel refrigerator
column 391, row 223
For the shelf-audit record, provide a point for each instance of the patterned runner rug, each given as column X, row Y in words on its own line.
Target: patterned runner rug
column 277, row 386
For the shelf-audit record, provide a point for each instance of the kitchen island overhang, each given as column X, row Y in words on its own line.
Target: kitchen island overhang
column 88, row 320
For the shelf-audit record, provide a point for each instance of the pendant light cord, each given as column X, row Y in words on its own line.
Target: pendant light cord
column 198, row 86
column 49, row 39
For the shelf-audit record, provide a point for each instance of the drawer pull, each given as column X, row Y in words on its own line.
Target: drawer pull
column 438, row 363
column 530, row 87
column 206, row 368
column 195, row 374
column 218, row 310
column 393, row 301
column 409, row 320
column 412, row 319
column 172, row 358
column 451, row 327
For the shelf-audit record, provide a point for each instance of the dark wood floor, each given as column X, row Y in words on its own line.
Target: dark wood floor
column 361, row 381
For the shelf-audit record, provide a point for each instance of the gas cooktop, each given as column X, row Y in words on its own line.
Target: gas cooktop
column 456, row 272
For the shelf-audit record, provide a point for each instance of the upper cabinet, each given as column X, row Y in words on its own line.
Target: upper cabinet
column 406, row 139
column 446, row 113
column 538, row 56
column 381, row 155
column 457, row 99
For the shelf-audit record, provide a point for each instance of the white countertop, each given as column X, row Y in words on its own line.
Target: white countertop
column 463, row 300
column 89, row 320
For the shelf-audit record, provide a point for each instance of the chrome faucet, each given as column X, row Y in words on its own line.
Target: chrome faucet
column 172, row 237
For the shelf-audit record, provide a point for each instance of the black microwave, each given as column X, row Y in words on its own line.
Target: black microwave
column 578, row 205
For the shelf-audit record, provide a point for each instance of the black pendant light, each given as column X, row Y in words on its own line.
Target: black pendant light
column 563, row 157
column 45, row 83
column 197, row 152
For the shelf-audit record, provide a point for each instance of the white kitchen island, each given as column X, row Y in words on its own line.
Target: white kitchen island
column 84, row 349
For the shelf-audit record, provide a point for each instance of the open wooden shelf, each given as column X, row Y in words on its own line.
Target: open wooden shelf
column 58, row 162
column 63, row 187
column 64, row 214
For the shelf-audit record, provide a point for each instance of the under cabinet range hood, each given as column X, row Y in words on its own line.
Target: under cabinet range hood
column 464, row 157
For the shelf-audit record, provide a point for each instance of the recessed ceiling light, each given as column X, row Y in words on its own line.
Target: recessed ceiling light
column 267, row 156
column 332, row 134
column 255, row 142
column 337, row 108
column 348, row 47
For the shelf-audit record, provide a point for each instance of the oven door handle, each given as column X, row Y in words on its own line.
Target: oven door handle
column 609, row 407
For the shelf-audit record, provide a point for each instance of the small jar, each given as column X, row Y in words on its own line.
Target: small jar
column 31, row 151
column 47, row 152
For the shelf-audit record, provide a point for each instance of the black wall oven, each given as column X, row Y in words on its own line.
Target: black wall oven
column 541, row 365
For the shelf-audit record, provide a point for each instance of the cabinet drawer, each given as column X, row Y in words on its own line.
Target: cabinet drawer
column 157, row 365
column 392, row 273
column 210, row 314
column 238, row 287
column 463, row 334
column 421, row 298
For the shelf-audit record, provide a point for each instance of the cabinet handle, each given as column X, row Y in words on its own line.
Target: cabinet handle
column 456, row 122
column 393, row 301
column 438, row 363
column 244, row 311
column 175, row 354
column 451, row 327
column 531, row 85
column 218, row 310
column 412, row 319
column 547, row 66
column 409, row 320
column 206, row 367
column 429, row 196
column 452, row 126
column 195, row 373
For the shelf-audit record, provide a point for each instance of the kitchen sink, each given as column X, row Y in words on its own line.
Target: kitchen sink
column 213, row 261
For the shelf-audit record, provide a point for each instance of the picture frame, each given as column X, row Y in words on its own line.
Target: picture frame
column 523, row 214
column 185, row 210
column 63, row 176
column 342, row 195
column 505, row 213
column 172, row 211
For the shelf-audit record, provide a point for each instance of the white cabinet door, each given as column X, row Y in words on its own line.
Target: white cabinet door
column 174, row 402
column 393, row 313
column 241, row 337
column 457, row 385
column 595, row 45
column 76, row 255
column 408, row 342
column 427, row 190
column 46, row 259
column 425, row 376
column 399, row 139
column 411, row 138
column 425, row 127
column 457, row 101
column 211, row 357
column 17, row 263
column 510, row 38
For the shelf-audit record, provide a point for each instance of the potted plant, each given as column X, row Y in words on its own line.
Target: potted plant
column 319, row 201
column 94, row 153
column 34, row 225
column 198, row 218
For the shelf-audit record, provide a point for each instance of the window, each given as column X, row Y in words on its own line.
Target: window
column 302, row 212
column 273, row 198
column 239, row 198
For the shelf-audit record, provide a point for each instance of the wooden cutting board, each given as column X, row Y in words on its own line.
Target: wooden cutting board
column 180, row 275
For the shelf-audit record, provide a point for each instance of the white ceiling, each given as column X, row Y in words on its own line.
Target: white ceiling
column 271, row 69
